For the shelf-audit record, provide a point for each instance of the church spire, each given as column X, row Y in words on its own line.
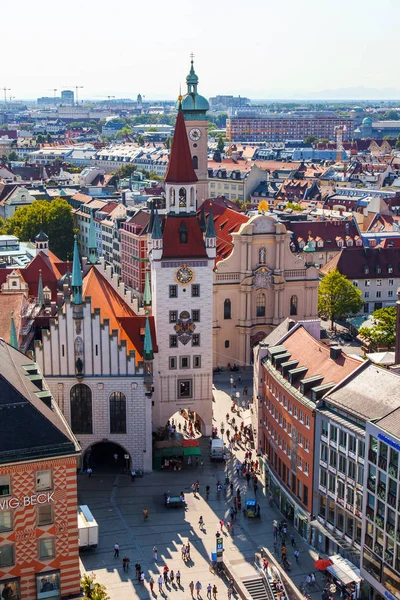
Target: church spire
column 92, row 244
column 76, row 276
column 202, row 219
column 211, row 237
column 40, row 295
column 13, row 332
column 210, row 232
column 147, row 291
column 180, row 167
column 156, row 231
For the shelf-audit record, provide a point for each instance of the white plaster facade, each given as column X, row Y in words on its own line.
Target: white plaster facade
column 107, row 368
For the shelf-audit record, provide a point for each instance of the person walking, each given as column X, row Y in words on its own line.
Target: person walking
column 191, row 588
column 209, row 590
column 160, row 582
column 116, row 550
column 221, row 524
column 172, row 577
column 198, row 589
column 142, row 578
column 145, row 514
column 183, row 552
column 165, row 574
column 151, row 583
column 115, row 458
column 296, row 555
column 215, row 592
column 188, row 551
column 201, row 523
column 178, row 578
column 293, row 540
column 202, row 463
column 89, row 472
column 155, row 554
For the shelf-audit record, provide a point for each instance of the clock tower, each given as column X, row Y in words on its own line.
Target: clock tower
column 195, row 109
column 181, row 259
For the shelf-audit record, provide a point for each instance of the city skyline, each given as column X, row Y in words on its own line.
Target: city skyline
column 302, row 51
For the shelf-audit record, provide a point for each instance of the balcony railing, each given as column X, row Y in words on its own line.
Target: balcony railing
column 382, row 491
column 390, row 529
column 393, row 470
column 379, row 521
column 371, row 484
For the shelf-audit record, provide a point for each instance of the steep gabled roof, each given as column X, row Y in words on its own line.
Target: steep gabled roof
column 226, row 222
column 172, row 246
column 180, row 167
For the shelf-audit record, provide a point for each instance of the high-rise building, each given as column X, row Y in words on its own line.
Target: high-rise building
column 67, row 97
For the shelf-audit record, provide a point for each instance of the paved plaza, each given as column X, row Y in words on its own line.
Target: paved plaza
column 117, row 504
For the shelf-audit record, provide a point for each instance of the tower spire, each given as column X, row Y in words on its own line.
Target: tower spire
column 76, row 276
column 180, row 167
column 147, row 291
column 148, row 345
column 156, row 231
column 92, row 245
column 40, row 295
column 13, row 332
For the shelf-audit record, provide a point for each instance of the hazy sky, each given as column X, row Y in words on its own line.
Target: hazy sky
column 257, row 48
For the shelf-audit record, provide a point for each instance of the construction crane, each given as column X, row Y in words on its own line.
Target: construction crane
column 5, row 89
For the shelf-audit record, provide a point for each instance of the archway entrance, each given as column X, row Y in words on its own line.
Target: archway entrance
column 106, row 456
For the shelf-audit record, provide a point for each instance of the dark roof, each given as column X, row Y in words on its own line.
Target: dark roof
column 30, row 427
column 323, row 231
column 172, row 246
column 366, row 263
column 391, row 423
column 180, row 167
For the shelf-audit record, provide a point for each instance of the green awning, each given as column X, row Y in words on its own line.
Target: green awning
column 192, row 451
column 166, row 452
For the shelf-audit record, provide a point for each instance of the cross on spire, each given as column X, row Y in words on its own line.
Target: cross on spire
column 192, row 56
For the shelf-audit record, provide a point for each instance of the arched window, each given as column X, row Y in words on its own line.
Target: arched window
column 182, row 197
column 262, row 254
column 195, row 162
column 81, row 408
column 117, row 413
column 261, row 305
column 191, row 196
column 172, row 197
column 227, row 309
column 227, row 343
column 293, row 305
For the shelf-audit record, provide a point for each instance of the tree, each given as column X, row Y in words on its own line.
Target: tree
column 391, row 115
column 55, row 218
column 49, row 138
column 168, row 143
column 125, row 171
column 40, row 139
column 294, row 206
column 140, row 140
column 310, row 139
column 221, row 143
column 383, row 332
column 93, row 590
column 338, row 297
column 13, row 155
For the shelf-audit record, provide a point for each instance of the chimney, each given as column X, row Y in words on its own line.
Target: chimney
column 335, row 352
column 397, row 346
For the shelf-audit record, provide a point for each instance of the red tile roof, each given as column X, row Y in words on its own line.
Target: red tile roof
column 226, row 222
column 173, row 248
column 180, row 167
column 381, row 263
column 121, row 317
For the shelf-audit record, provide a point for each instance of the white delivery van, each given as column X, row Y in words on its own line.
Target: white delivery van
column 88, row 529
column 217, row 449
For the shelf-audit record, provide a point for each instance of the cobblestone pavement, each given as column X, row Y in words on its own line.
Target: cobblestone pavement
column 118, row 504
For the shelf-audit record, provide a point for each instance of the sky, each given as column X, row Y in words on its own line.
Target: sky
column 259, row 48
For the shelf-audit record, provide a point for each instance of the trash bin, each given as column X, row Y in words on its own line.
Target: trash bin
column 214, row 556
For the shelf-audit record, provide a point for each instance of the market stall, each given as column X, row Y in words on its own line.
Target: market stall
column 346, row 576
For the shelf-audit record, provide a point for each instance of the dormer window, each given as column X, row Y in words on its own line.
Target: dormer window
column 349, row 242
column 378, row 269
column 366, row 270
column 390, row 269
column 320, row 243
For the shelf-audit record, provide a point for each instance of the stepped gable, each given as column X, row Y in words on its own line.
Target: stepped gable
column 180, row 166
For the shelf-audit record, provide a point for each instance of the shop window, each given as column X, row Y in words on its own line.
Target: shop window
column 46, row 548
column 44, row 514
column 81, row 408
column 48, row 585
column 117, row 413
column 44, row 480
column 9, row 588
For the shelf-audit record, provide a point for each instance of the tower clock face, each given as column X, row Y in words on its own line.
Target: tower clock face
column 184, row 274
column 195, row 134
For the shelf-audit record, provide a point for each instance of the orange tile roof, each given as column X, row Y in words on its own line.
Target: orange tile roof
column 10, row 302
column 316, row 357
column 226, row 222
column 121, row 317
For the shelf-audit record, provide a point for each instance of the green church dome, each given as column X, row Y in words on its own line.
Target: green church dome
column 367, row 121
column 193, row 105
